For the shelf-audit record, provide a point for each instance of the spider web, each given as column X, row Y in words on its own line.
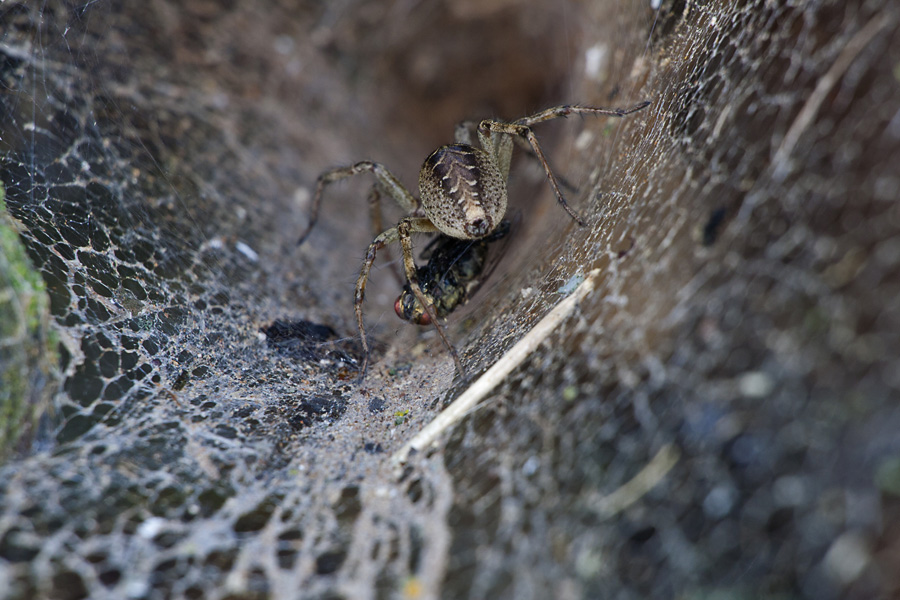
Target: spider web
column 209, row 440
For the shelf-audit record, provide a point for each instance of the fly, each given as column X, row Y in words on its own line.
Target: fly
column 452, row 273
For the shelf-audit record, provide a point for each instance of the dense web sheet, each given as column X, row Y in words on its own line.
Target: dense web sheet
column 739, row 350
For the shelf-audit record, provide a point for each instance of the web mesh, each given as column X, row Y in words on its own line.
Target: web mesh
column 210, row 440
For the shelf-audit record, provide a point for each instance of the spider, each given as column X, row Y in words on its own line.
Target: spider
column 462, row 194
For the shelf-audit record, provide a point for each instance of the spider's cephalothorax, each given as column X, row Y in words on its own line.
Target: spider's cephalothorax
column 463, row 195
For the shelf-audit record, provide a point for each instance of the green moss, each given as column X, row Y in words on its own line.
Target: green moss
column 28, row 357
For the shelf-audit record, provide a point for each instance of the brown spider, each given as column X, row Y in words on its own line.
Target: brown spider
column 463, row 195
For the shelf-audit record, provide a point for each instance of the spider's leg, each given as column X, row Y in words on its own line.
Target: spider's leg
column 489, row 128
column 377, row 244
column 411, row 225
column 386, row 179
column 375, row 217
column 526, row 148
column 572, row 109
column 408, row 225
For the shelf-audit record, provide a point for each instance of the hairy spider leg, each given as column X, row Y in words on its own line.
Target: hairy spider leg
column 488, row 128
column 565, row 110
column 526, row 132
column 385, row 178
column 402, row 233
column 377, row 220
column 464, row 136
column 411, row 225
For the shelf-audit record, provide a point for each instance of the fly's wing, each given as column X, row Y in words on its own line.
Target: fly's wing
column 435, row 242
column 496, row 245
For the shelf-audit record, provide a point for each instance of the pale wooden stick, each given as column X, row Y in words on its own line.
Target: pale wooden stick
column 638, row 486
column 497, row 373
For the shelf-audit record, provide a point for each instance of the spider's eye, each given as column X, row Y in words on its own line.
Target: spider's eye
column 478, row 227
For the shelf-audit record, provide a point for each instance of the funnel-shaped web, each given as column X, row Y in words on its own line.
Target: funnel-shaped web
column 713, row 413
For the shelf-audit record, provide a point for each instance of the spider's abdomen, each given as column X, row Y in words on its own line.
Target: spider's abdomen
column 462, row 191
